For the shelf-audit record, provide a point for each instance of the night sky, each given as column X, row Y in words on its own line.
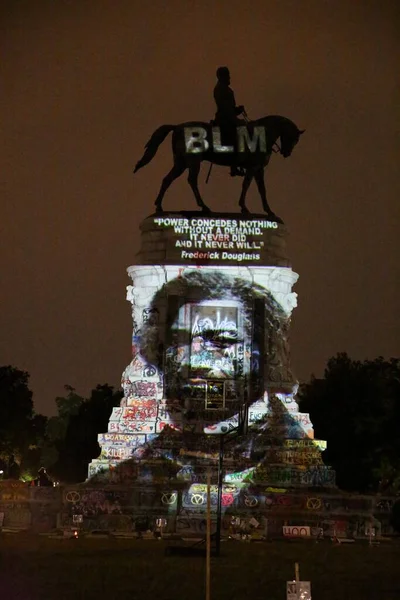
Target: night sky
column 84, row 83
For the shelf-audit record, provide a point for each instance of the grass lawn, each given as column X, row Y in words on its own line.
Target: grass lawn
column 38, row 568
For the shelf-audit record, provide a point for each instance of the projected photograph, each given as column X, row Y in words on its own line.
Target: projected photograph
column 205, row 346
column 214, row 340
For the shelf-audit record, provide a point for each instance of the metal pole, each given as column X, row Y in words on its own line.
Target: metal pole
column 297, row 577
column 219, row 504
column 208, row 540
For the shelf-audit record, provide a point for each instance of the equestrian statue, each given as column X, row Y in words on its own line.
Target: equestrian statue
column 244, row 146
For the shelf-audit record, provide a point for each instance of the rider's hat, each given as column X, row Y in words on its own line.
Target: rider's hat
column 222, row 72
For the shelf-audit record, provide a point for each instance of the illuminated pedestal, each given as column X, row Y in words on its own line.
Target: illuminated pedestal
column 211, row 304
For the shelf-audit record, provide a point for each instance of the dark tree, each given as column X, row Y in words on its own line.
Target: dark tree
column 72, row 435
column 395, row 516
column 21, row 430
column 31, row 461
column 356, row 408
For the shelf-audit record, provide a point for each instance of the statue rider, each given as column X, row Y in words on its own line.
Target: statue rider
column 227, row 113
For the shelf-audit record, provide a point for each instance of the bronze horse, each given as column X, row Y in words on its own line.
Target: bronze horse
column 253, row 163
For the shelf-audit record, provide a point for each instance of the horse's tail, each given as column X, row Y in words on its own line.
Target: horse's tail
column 152, row 145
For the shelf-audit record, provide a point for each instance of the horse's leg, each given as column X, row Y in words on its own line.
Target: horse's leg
column 174, row 173
column 194, row 169
column 259, row 177
column 248, row 178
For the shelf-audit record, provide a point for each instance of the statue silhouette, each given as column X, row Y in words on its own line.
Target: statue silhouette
column 275, row 126
column 227, row 112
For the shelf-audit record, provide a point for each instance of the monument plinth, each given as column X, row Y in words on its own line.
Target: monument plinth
column 211, row 303
column 190, row 238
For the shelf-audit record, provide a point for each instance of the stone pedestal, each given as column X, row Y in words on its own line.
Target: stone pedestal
column 211, row 304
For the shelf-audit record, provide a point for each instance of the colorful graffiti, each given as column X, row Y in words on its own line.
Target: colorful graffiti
column 202, row 341
column 183, row 508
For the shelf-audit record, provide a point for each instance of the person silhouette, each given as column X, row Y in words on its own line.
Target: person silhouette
column 227, row 113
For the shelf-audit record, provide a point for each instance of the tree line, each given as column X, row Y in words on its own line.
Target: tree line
column 64, row 444
column 355, row 406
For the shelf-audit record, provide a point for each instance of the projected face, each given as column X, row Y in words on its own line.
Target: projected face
column 209, row 347
column 208, row 358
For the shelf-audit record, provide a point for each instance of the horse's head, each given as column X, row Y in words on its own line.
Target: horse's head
column 290, row 135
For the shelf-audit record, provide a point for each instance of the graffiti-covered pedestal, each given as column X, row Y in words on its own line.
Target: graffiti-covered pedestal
column 211, row 304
